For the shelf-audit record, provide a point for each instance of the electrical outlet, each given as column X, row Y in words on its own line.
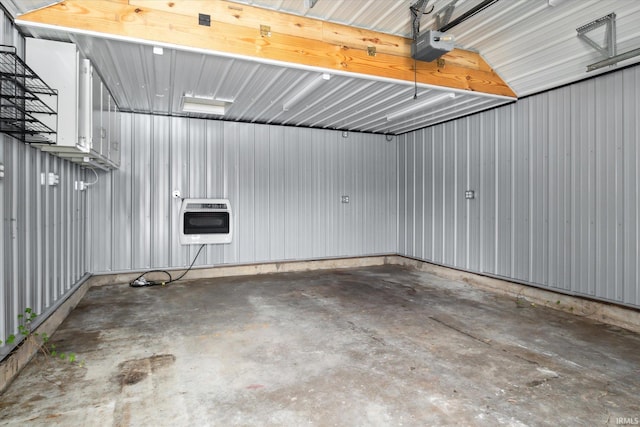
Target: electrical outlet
column 49, row 178
column 80, row 185
column 345, row 199
column 1, row 170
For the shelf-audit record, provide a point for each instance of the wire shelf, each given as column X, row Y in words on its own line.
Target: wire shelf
column 24, row 98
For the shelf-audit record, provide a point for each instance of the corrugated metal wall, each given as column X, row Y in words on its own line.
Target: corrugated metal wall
column 42, row 254
column 284, row 184
column 556, row 178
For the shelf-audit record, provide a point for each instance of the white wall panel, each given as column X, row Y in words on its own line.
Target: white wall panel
column 556, row 178
column 284, row 183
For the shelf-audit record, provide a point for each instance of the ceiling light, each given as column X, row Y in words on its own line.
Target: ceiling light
column 419, row 105
column 204, row 105
column 297, row 97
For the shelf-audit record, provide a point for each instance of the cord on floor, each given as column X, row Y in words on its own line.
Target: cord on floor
column 141, row 281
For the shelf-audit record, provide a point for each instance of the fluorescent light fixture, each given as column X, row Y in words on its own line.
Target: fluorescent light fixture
column 204, row 105
column 313, row 85
column 419, row 105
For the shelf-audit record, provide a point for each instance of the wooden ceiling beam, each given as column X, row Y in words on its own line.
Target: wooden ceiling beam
column 235, row 29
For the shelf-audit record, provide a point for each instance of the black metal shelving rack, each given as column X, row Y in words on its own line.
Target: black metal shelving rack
column 22, row 100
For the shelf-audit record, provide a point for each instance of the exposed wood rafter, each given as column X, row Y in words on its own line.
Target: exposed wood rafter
column 235, row 29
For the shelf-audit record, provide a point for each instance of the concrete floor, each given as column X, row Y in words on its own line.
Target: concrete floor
column 377, row 346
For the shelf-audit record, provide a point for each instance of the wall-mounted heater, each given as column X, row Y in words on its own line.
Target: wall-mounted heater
column 205, row 221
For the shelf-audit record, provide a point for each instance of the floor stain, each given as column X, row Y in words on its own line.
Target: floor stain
column 133, row 371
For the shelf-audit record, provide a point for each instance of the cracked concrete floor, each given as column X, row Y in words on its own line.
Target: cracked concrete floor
column 376, row 346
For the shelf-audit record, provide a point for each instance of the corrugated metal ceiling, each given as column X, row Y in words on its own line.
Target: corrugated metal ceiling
column 16, row 7
column 143, row 82
column 531, row 44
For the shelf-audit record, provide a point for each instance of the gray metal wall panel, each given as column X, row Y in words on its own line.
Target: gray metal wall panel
column 262, row 195
column 161, row 186
column 474, row 252
column 521, row 190
column 277, row 181
column 449, row 196
column 419, row 196
column 121, row 212
column 291, row 192
column 462, row 184
column 559, row 194
column 503, row 205
column 631, row 185
column 143, row 134
column 438, row 191
column 609, row 201
column 556, row 177
column 43, row 249
column 403, row 216
column 214, row 178
column 538, row 158
column 487, row 204
column 284, row 185
column 410, row 199
column 584, row 184
column 427, row 215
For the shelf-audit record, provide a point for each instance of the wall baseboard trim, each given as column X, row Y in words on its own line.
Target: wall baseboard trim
column 249, row 269
column 608, row 313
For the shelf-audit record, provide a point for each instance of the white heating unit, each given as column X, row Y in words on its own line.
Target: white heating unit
column 205, row 221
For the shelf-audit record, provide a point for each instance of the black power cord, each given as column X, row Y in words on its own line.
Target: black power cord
column 140, row 281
